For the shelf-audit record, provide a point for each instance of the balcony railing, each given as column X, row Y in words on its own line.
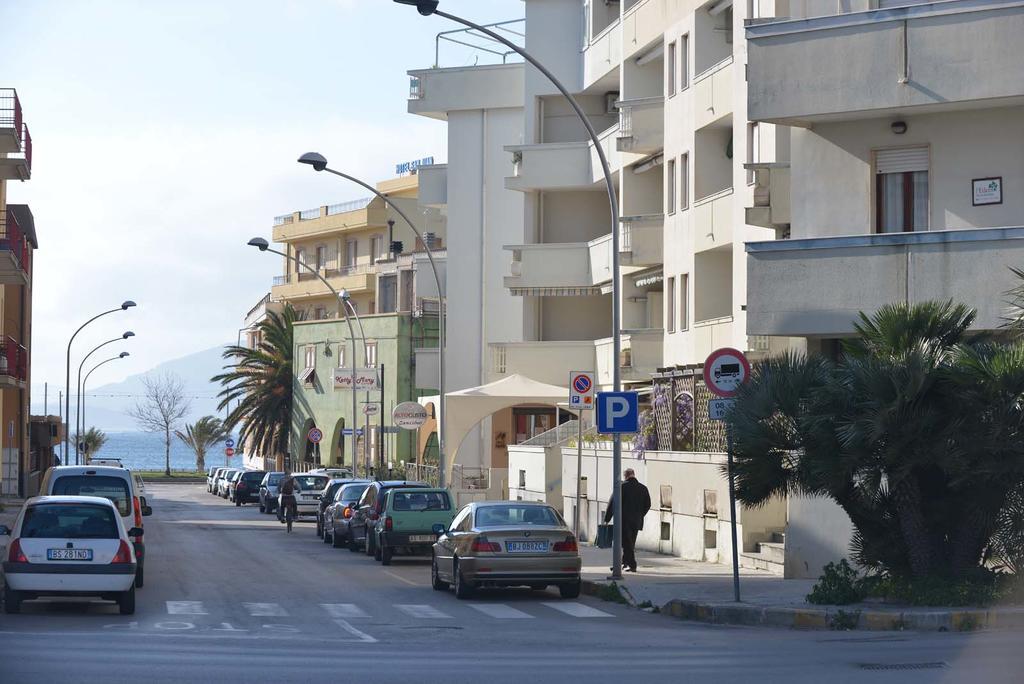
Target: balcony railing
column 10, row 110
column 13, row 359
column 284, row 219
column 344, row 207
column 12, row 240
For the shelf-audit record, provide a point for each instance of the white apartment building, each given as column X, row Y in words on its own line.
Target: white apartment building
column 905, row 178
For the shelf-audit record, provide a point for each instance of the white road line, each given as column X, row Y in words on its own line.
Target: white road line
column 402, row 579
column 421, row 611
column 265, row 609
column 500, row 611
column 363, row 636
column 186, row 608
column 578, row 610
column 346, row 611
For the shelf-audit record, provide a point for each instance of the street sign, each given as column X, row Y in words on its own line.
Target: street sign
column 315, row 435
column 229, row 442
column 366, row 379
column 229, row 451
column 717, row 408
column 371, row 409
column 409, row 415
column 581, row 390
column 618, row 412
column 347, row 432
column 725, row 370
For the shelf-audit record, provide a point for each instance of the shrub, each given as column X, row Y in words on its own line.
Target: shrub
column 839, row 586
column 843, row 620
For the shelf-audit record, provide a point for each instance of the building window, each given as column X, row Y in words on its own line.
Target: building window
column 342, row 348
column 684, row 63
column 522, row 479
column 300, row 256
column 684, row 301
column 387, row 293
column 321, row 257
column 753, row 148
column 371, row 354
column 684, row 181
column 901, row 190
column 351, row 253
column 310, row 352
column 320, row 313
column 670, row 187
column 670, row 69
column 375, row 246
column 670, row 305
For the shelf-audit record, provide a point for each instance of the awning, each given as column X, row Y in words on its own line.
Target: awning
column 306, row 376
column 648, row 278
column 555, row 291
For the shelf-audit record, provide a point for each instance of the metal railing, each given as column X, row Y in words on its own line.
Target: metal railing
column 283, row 219
column 354, row 205
column 557, row 435
column 281, row 280
column 12, row 239
column 485, row 44
column 309, row 214
column 13, row 359
column 419, row 472
column 10, row 110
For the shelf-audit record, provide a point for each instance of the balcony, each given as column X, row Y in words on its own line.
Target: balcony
column 643, row 22
column 712, row 334
column 712, row 221
column 332, row 218
column 603, row 54
column 551, row 362
column 817, row 286
column 15, row 251
column 560, row 269
column 771, row 195
column 932, row 57
column 550, row 166
column 15, row 139
column 355, row 279
column 435, row 92
column 641, row 125
column 13, row 363
column 616, row 159
column 641, row 239
column 713, row 94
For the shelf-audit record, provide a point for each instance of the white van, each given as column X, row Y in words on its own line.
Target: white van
column 116, row 484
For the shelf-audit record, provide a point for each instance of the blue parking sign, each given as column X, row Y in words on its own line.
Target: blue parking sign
column 618, row 412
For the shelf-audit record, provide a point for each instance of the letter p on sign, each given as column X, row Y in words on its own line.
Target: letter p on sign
column 618, row 412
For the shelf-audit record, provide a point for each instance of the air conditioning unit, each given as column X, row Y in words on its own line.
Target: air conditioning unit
column 610, row 100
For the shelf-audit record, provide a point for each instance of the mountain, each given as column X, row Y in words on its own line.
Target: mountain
column 108, row 405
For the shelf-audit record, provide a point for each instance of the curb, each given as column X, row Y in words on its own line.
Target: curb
column 596, row 588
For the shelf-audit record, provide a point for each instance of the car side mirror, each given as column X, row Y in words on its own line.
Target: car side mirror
column 5, row 531
column 135, row 532
column 147, row 510
column 438, row 529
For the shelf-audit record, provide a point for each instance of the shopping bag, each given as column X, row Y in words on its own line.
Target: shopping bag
column 604, row 536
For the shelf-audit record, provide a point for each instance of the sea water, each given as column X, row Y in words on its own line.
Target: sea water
column 145, row 451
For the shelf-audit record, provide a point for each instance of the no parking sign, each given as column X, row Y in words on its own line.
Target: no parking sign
column 581, row 390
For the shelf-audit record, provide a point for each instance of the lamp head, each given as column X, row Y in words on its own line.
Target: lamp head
column 123, row 354
column 345, row 295
column 314, row 159
column 127, row 334
column 259, row 243
column 424, row 7
column 127, row 304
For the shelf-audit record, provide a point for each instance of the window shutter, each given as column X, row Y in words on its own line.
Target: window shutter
column 901, row 160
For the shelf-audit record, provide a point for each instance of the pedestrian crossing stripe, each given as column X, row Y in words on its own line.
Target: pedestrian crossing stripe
column 421, row 611
column 500, row 611
column 265, row 610
column 342, row 612
column 186, row 608
column 578, row 610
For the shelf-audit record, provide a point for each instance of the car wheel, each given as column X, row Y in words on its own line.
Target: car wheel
column 335, row 541
column 378, row 552
column 126, row 602
column 140, row 576
column 386, row 554
column 353, row 545
column 435, row 577
column 238, row 502
column 12, row 601
column 463, row 590
column 319, row 528
column 368, row 544
column 571, row 590
column 326, row 537
column 263, row 509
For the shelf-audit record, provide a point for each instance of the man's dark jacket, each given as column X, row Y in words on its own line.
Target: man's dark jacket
column 636, row 501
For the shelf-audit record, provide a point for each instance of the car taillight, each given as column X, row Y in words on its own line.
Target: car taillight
column 567, row 546
column 481, row 544
column 137, row 507
column 347, row 513
column 388, row 523
column 124, row 554
column 14, row 554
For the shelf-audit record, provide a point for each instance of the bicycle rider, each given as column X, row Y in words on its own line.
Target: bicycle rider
column 288, row 489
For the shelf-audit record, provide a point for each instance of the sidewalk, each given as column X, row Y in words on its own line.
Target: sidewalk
column 11, row 507
column 703, row 592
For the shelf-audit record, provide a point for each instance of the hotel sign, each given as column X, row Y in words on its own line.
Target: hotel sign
column 987, row 190
column 411, row 166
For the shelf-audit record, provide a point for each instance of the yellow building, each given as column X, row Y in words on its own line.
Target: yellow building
column 20, row 466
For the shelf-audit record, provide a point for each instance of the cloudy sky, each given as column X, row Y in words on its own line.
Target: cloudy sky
column 165, row 136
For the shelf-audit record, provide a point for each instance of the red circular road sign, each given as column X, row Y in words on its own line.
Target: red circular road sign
column 229, row 451
column 315, row 435
column 725, row 370
column 581, row 383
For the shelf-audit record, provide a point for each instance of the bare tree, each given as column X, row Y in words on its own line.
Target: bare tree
column 162, row 409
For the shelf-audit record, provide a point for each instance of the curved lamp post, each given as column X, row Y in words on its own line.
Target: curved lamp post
column 86, row 379
column 429, row 7
column 264, row 246
column 80, row 399
column 347, row 298
column 319, row 163
column 127, row 304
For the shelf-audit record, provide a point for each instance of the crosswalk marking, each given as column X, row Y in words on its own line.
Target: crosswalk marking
column 500, row 611
column 345, row 611
column 577, row 610
column 362, row 636
column 421, row 611
column 186, row 608
column 265, row 609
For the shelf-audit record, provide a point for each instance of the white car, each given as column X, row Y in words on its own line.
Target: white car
column 69, row 545
column 333, row 473
column 307, row 496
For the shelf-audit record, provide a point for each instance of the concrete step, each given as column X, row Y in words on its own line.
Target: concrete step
column 758, row 561
column 773, row 551
column 778, row 538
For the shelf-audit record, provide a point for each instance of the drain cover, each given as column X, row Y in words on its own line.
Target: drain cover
column 902, row 666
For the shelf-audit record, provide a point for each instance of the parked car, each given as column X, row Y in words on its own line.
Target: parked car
column 140, row 486
column 225, row 482
column 114, row 462
column 246, row 487
column 116, row 484
column 407, row 520
column 504, row 544
column 211, row 477
column 69, row 545
column 268, row 491
column 217, row 477
column 338, row 513
column 327, row 498
column 333, row 473
column 307, row 497
column 367, row 511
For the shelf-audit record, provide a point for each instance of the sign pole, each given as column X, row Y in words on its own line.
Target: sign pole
column 732, row 518
column 579, row 472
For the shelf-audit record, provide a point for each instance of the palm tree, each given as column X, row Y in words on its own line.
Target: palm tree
column 94, row 439
column 259, row 383
column 202, row 435
column 917, row 432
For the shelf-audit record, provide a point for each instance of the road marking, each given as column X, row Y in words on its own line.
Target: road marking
column 363, row 636
column 421, row 611
column 402, row 579
column 500, row 611
column 578, row 610
column 265, row 609
column 344, row 610
column 186, row 608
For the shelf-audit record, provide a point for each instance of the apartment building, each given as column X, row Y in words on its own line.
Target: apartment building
column 904, row 178
column 20, row 465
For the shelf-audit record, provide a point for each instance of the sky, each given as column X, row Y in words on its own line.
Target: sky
column 165, row 135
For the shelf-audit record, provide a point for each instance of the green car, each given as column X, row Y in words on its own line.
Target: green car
column 407, row 520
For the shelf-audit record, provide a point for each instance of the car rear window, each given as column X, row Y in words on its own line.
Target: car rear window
column 253, row 477
column 113, row 488
column 427, row 501
column 308, row 482
column 352, row 492
column 274, row 479
column 69, row 521
column 498, row 516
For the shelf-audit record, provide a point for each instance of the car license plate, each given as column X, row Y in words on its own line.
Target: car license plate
column 421, row 538
column 69, row 554
column 526, row 546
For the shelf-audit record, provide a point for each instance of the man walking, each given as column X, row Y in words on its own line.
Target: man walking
column 636, row 501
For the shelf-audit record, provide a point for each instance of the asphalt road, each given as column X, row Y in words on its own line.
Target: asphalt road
column 231, row 597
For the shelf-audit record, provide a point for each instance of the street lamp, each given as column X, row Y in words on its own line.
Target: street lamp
column 319, row 163
column 86, row 379
column 127, row 304
column 347, row 298
column 80, row 400
column 264, row 246
column 429, row 7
